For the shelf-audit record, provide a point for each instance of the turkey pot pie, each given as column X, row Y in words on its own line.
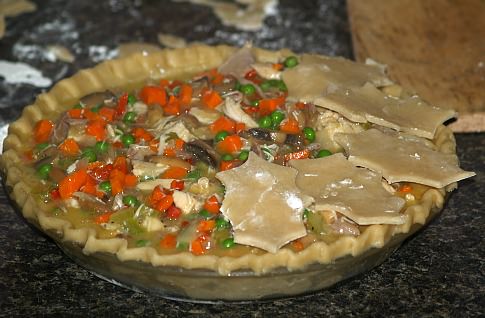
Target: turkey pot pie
column 227, row 159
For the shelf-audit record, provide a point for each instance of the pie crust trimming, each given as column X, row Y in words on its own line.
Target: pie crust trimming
column 354, row 103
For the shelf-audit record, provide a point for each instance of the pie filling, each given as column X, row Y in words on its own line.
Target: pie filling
column 234, row 161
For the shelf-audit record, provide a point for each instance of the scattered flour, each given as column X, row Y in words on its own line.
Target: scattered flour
column 99, row 53
column 15, row 73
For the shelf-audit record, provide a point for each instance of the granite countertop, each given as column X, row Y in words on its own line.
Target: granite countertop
column 438, row 272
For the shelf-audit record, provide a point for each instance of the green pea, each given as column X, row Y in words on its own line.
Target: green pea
column 101, row 146
column 228, row 243
column 90, row 154
column 131, row 99
column 277, row 117
column 265, row 122
column 255, row 103
column 309, row 134
column 105, row 186
column 141, row 243
column 281, row 86
column 127, row 140
column 291, row 61
column 323, row 153
column 183, row 246
column 222, row 224
column 42, row 146
column 43, row 170
column 176, row 91
column 305, row 214
column 243, row 155
column 193, row 175
column 227, row 157
column 205, row 214
column 220, row 136
column 265, row 86
column 77, row 106
column 96, row 108
column 237, row 86
column 129, row 118
column 130, row 200
column 248, row 89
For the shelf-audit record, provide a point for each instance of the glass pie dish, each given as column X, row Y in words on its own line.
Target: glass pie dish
column 279, row 271
column 207, row 286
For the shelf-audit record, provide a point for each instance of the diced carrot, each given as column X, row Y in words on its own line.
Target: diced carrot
column 121, row 164
column 131, row 180
column 72, row 183
column 300, row 105
column 277, row 66
column 101, row 172
column 297, row 245
column 96, row 128
column 174, row 173
column 164, row 83
column 153, row 144
column 175, row 83
column 54, row 194
column 90, row 115
column 405, row 188
column 141, row 134
column 121, row 105
column 29, row 155
column 159, row 200
column 117, row 181
column 177, row 185
column 290, row 126
column 185, row 95
column 211, row 99
column 69, row 147
column 253, row 76
column 153, row 95
column 156, row 195
column 302, row 154
column 226, row 165
column 230, row 144
column 169, row 152
column 173, row 212
column 239, row 127
column 76, row 113
column 223, row 123
column 107, row 113
column 163, row 204
column 42, row 130
column 179, row 144
column 196, row 247
column 103, row 218
column 269, row 105
column 206, row 225
column 169, row 241
column 173, row 107
column 212, row 204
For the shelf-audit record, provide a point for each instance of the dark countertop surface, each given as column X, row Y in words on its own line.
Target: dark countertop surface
column 440, row 272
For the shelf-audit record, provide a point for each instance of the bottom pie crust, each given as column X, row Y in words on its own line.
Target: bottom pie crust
column 173, row 63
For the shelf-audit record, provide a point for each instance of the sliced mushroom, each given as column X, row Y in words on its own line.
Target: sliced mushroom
column 61, row 129
column 56, row 174
column 265, row 134
column 172, row 162
column 296, row 140
column 201, row 151
column 90, row 202
column 98, row 98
